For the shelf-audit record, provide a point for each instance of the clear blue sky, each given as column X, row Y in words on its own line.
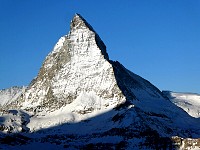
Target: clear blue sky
column 156, row 39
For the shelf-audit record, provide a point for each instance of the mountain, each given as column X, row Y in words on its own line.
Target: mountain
column 190, row 102
column 81, row 99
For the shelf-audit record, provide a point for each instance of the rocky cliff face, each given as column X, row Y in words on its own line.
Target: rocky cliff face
column 81, row 97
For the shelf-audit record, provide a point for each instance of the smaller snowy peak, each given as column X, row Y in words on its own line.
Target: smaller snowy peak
column 11, row 94
column 189, row 102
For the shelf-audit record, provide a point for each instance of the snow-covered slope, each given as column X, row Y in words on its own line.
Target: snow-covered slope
column 189, row 102
column 81, row 98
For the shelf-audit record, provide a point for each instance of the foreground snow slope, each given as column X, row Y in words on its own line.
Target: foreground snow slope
column 189, row 102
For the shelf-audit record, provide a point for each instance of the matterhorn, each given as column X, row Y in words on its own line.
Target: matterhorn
column 81, row 99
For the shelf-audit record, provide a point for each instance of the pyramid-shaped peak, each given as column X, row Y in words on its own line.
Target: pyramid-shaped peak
column 79, row 22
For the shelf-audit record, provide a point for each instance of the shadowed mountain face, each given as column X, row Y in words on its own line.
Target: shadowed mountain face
column 81, row 97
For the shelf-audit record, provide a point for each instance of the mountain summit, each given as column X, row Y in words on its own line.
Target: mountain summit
column 78, row 22
column 82, row 98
